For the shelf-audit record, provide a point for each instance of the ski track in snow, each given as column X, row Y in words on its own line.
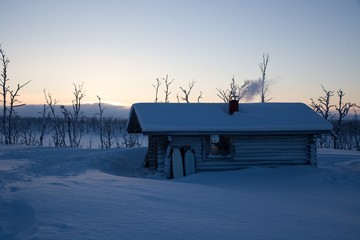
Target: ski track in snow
column 52, row 193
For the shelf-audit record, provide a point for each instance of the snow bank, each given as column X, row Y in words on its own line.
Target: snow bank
column 51, row 193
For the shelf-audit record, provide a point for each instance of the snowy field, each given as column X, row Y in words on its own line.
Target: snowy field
column 54, row 193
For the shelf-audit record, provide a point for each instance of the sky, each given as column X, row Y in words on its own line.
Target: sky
column 118, row 49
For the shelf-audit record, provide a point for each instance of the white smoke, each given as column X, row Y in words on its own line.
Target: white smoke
column 252, row 89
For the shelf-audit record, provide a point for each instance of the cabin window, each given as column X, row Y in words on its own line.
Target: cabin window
column 217, row 146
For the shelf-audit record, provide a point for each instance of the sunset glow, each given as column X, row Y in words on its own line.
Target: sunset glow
column 119, row 48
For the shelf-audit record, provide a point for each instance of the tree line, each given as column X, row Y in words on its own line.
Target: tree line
column 66, row 129
column 346, row 129
column 69, row 128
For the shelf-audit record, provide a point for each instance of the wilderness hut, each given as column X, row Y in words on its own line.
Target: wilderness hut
column 228, row 136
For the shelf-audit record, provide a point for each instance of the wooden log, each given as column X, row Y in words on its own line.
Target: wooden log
column 205, row 166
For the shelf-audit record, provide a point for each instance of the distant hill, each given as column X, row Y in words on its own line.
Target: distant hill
column 89, row 110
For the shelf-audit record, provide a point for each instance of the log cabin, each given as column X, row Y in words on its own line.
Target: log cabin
column 229, row 136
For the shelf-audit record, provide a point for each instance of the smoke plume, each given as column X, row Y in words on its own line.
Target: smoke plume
column 253, row 89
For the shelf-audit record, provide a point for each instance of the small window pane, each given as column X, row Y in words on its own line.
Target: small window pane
column 217, row 146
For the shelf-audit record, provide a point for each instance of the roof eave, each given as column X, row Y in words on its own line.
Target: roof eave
column 282, row 132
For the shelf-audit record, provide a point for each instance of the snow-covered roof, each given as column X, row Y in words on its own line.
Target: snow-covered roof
column 215, row 117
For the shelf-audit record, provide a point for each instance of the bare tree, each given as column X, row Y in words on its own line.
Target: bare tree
column 14, row 103
column 72, row 118
column 101, row 124
column 227, row 94
column 323, row 105
column 187, row 92
column 44, row 124
column 4, row 90
column 342, row 110
column 243, row 89
column 130, row 140
column 199, row 97
column 156, row 86
column 28, row 127
column 167, row 85
column 341, row 139
column 355, row 130
column 16, row 132
column 234, row 92
column 223, row 94
column 106, row 128
column 264, row 94
column 56, row 123
column 109, row 132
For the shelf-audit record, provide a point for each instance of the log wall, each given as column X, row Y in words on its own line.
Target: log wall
column 264, row 150
column 245, row 151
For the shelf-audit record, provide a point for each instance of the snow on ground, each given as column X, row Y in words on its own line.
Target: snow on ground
column 55, row 193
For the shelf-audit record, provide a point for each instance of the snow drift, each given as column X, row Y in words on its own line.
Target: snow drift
column 54, row 193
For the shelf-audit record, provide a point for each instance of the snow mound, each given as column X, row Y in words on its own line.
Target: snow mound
column 54, row 193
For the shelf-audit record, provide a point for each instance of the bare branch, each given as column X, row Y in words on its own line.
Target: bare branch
column 13, row 100
column 343, row 110
column 74, row 130
column 223, row 95
column 4, row 90
column 233, row 89
column 264, row 83
column 59, row 131
column 156, row 86
column 187, row 92
column 235, row 92
column 167, row 84
column 101, row 127
column 323, row 107
column 242, row 89
column 50, row 102
column 79, row 94
column 199, row 97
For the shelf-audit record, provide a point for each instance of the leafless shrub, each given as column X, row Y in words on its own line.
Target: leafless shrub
column 235, row 92
column 187, row 91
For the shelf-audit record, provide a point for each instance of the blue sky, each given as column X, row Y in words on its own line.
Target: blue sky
column 119, row 48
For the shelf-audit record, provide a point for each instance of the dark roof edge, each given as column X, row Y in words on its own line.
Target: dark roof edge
column 300, row 132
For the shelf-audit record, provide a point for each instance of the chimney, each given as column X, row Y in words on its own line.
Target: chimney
column 233, row 104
